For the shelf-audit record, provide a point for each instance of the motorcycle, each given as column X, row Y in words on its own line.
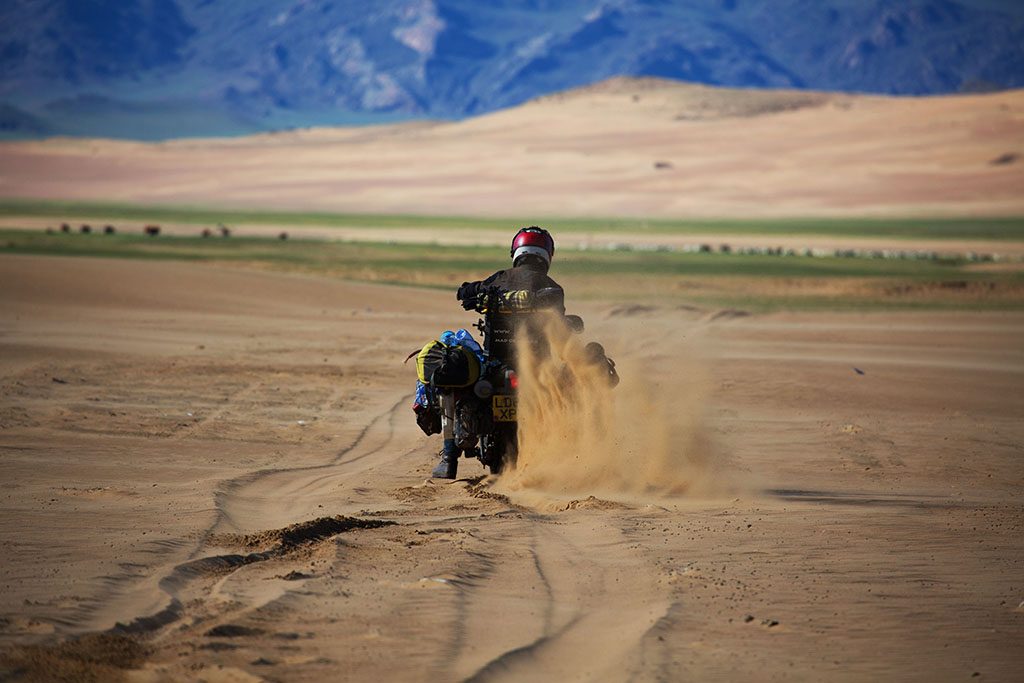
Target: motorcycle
column 486, row 414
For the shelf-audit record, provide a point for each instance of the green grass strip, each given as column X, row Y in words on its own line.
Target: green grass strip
column 986, row 228
column 472, row 261
column 752, row 282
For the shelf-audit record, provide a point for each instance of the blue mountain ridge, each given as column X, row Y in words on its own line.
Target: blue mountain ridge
column 166, row 68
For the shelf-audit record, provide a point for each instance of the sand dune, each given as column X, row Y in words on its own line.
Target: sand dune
column 625, row 147
column 161, row 423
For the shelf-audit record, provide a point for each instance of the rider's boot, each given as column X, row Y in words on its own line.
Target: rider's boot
column 449, row 464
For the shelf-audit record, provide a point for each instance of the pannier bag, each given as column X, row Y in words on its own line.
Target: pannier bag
column 427, row 409
column 447, row 366
column 452, row 361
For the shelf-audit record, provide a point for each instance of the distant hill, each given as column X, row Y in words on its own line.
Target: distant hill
column 166, row 68
column 625, row 147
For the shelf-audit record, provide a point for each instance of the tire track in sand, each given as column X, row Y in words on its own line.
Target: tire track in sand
column 154, row 602
column 273, row 498
column 598, row 603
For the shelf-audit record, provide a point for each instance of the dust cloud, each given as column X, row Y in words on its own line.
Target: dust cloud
column 579, row 435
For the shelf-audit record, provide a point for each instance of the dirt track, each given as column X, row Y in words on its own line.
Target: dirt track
column 158, row 421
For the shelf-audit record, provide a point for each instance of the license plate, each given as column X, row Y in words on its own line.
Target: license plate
column 504, row 407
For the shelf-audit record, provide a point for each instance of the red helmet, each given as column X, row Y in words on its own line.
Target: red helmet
column 533, row 240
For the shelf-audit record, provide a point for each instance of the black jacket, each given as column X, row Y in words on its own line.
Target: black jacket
column 519, row 286
column 522, row 278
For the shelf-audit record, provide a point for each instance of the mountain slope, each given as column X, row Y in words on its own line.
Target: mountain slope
column 263, row 64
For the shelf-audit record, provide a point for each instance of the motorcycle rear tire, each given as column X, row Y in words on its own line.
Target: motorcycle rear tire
column 507, row 452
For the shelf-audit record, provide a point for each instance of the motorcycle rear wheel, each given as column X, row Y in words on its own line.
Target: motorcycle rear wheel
column 504, row 452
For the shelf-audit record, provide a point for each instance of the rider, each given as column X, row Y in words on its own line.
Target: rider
column 531, row 252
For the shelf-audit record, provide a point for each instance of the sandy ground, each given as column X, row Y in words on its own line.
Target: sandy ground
column 626, row 147
column 160, row 421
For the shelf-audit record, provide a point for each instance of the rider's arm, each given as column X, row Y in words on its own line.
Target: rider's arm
column 556, row 299
column 469, row 291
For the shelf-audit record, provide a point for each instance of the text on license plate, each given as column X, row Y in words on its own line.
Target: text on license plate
column 504, row 407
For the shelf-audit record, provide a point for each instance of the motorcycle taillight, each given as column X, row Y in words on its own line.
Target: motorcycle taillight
column 513, row 379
